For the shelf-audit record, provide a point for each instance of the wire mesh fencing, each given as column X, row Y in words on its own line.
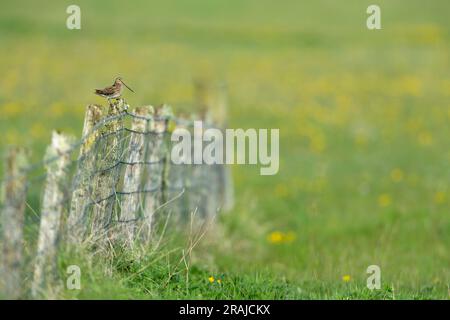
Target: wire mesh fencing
column 110, row 187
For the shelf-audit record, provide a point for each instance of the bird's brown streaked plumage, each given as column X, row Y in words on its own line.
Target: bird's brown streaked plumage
column 114, row 91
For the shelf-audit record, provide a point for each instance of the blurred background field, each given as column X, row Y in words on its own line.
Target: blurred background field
column 363, row 118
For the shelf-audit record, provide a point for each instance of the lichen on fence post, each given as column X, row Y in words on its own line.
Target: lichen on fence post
column 76, row 224
column 57, row 160
column 156, row 157
column 13, row 200
column 107, row 173
column 133, row 175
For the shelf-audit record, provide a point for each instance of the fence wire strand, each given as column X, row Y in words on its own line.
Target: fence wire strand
column 181, row 186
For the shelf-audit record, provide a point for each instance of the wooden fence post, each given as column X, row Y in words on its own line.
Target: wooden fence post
column 133, row 175
column 195, row 186
column 13, row 211
column 107, row 174
column 58, row 157
column 226, row 187
column 76, row 224
column 177, row 182
column 212, row 101
column 209, row 181
column 156, row 157
column 210, row 190
column 225, row 183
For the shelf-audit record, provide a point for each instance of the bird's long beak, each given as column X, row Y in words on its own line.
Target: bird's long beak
column 128, row 87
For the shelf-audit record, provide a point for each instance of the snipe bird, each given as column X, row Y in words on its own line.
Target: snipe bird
column 114, row 91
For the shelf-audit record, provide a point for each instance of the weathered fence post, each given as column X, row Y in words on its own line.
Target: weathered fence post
column 195, row 186
column 133, row 175
column 214, row 107
column 76, row 224
column 226, row 190
column 177, row 178
column 215, row 183
column 107, row 173
column 58, row 160
column 13, row 211
column 156, row 159
column 209, row 187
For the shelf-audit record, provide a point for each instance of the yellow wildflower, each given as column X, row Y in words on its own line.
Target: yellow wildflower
column 11, row 109
column 211, row 279
column 428, row 34
column 346, row 278
column 397, row 175
column 281, row 190
column 275, row 237
column 384, row 200
column 439, row 197
column 425, row 138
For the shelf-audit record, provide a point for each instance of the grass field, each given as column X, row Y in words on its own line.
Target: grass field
column 364, row 135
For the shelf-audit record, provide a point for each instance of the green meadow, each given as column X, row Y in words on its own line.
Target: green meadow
column 364, row 137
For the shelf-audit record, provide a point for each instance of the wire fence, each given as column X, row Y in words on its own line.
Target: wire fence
column 113, row 185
